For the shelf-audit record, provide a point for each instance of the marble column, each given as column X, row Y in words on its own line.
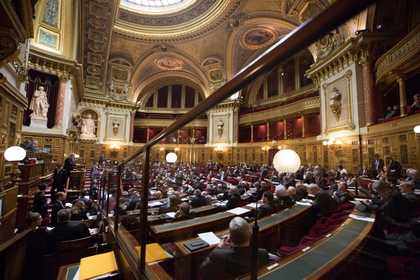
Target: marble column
column 268, row 131
column 59, row 111
column 403, row 96
column 368, row 88
column 132, row 127
column 303, row 125
column 147, row 134
column 252, row 133
column 285, row 129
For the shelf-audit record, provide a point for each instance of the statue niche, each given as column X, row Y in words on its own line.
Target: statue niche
column 86, row 125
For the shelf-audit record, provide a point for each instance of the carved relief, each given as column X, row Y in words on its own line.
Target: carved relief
column 335, row 103
column 327, row 45
column 118, row 91
column 9, row 46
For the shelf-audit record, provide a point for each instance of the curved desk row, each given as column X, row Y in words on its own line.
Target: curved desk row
column 323, row 255
column 282, row 223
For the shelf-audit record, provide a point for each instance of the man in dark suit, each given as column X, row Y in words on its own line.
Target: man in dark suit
column 198, row 200
column 69, row 164
column 394, row 167
column 268, row 207
column 341, row 195
column 234, row 200
column 233, row 256
column 40, row 201
column 364, row 172
column 60, row 180
column 65, row 230
column 377, row 164
column 57, row 206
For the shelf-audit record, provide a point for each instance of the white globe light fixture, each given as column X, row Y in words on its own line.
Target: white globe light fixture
column 171, row 157
column 286, row 161
column 417, row 129
column 14, row 153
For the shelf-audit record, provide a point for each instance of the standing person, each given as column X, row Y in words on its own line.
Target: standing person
column 58, row 205
column 60, row 181
column 69, row 164
column 40, row 201
column 233, row 255
column 377, row 165
column 394, row 167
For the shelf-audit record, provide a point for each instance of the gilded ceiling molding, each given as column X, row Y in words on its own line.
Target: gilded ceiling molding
column 96, row 41
column 189, row 23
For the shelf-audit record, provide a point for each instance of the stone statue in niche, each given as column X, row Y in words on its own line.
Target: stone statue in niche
column 39, row 103
column 335, row 103
column 220, row 126
column 86, row 125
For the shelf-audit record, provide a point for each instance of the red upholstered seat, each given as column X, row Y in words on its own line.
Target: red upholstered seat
column 402, row 266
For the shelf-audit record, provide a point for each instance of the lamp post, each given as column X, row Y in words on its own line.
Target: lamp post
column 14, row 154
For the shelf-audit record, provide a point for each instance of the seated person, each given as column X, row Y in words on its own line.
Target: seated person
column 82, row 197
column 342, row 195
column 324, row 203
column 210, row 196
column 198, row 199
column 171, row 207
column 33, row 220
column 90, row 207
column 65, row 230
column 416, row 105
column 351, row 180
column 282, row 200
column 407, row 190
column 291, row 191
column 222, row 192
column 233, row 256
column 183, row 213
column 399, row 242
column 234, row 200
column 78, row 211
column 364, row 172
column 393, row 207
column 268, row 207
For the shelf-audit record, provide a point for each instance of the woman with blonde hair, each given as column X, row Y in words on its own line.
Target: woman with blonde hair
column 78, row 211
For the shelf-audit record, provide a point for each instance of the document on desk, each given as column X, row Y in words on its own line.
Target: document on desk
column 156, row 203
column 171, row 214
column 361, row 218
column 303, row 203
column 209, row 237
column 238, row 210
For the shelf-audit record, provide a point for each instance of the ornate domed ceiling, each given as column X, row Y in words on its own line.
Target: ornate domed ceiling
column 135, row 45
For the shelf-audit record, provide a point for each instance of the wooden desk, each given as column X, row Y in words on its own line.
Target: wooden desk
column 284, row 225
column 324, row 255
column 185, row 229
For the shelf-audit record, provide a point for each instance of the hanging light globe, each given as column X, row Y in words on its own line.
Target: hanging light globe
column 171, row 157
column 286, row 161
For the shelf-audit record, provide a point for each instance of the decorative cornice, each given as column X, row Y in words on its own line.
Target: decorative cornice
column 297, row 108
column 191, row 23
column 399, row 60
column 198, row 123
column 354, row 50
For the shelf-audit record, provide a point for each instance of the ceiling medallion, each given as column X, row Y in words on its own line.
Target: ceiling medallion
column 258, row 37
column 169, row 63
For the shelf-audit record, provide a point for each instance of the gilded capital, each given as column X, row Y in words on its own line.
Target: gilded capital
column 64, row 77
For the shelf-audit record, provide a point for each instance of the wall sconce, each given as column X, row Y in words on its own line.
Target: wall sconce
column 264, row 149
column 161, row 149
column 114, row 149
column 218, row 149
column 332, row 144
column 176, row 149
